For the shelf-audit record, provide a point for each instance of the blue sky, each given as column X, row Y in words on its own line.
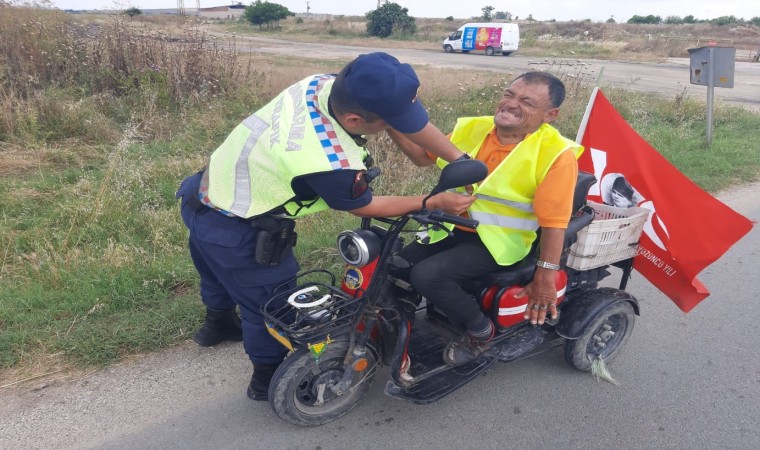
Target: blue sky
column 597, row 10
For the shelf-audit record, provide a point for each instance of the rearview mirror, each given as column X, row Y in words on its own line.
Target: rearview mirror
column 459, row 173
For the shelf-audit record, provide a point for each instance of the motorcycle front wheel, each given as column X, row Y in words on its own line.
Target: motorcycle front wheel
column 300, row 392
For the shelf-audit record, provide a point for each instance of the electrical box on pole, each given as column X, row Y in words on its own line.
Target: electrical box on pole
column 712, row 67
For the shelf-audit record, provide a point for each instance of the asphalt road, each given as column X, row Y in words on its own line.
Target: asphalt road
column 688, row 381
column 669, row 78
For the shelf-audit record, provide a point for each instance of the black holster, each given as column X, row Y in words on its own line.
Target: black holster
column 274, row 239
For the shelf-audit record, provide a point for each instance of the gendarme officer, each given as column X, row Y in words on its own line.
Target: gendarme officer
column 301, row 153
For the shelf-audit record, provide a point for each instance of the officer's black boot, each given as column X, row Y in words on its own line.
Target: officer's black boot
column 218, row 327
column 262, row 375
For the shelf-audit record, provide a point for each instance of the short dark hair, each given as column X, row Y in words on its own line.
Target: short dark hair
column 342, row 102
column 555, row 85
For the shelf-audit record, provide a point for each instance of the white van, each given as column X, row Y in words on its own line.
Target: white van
column 489, row 37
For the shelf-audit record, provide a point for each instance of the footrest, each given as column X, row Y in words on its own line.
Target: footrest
column 517, row 344
column 426, row 346
column 441, row 384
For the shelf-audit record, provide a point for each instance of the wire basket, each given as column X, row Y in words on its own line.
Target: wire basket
column 613, row 236
column 309, row 312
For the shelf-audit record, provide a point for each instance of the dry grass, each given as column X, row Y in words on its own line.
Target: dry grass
column 41, row 371
column 632, row 42
column 17, row 159
column 58, row 70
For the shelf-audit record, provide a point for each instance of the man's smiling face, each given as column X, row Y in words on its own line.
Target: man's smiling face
column 524, row 107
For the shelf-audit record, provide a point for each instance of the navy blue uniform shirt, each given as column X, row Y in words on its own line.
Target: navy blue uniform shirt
column 335, row 187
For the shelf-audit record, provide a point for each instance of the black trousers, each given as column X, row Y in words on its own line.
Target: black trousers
column 439, row 269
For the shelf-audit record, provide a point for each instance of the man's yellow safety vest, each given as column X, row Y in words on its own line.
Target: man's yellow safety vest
column 504, row 205
column 293, row 135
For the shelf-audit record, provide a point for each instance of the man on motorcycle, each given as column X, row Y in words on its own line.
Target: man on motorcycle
column 532, row 175
column 301, row 153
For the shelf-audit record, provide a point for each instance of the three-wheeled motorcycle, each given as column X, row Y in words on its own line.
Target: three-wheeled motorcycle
column 340, row 333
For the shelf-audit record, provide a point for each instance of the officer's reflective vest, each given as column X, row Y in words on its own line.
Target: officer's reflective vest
column 504, row 205
column 293, row 135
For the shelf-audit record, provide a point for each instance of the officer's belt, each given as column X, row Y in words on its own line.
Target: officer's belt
column 199, row 207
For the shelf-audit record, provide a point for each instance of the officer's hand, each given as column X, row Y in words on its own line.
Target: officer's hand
column 451, row 202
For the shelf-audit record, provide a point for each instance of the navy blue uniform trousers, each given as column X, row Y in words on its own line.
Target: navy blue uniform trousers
column 223, row 249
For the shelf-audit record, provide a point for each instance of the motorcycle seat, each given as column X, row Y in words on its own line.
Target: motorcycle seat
column 519, row 273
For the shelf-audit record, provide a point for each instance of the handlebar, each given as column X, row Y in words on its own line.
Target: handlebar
column 438, row 217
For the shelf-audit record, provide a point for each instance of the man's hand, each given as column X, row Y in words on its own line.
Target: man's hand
column 451, row 202
column 542, row 296
column 542, row 292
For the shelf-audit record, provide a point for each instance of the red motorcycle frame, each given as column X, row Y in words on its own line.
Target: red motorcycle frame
column 339, row 336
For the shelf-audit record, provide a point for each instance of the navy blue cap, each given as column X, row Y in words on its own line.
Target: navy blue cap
column 384, row 86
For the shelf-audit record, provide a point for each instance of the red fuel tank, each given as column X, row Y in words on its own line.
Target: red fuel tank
column 500, row 304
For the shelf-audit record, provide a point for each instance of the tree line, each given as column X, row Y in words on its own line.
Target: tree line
column 381, row 22
column 391, row 18
column 722, row 20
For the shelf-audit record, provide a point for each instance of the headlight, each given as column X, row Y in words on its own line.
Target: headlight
column 358, row 247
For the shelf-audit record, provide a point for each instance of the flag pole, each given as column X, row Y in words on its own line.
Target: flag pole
column 586, row 115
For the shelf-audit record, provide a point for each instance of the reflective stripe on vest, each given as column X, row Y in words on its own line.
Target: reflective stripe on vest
column 527, row 207
column 242, row 200
column 504, row 221
column 293, row 135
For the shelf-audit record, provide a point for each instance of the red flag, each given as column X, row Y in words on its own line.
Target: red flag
column 687, row 230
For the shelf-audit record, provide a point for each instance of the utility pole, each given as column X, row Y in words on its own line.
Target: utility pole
column 181, row 7
column 197, row 7
column 308, row 8
column 712, row 66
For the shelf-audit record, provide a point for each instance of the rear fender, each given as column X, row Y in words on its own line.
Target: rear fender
column 582, row 307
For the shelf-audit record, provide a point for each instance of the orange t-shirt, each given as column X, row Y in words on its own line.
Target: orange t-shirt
column 552, row 203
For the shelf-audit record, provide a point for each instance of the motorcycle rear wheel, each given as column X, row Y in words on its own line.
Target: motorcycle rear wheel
column 605, row 337
column 294, row 389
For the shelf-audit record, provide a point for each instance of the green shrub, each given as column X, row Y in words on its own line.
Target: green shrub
column 390, row 18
